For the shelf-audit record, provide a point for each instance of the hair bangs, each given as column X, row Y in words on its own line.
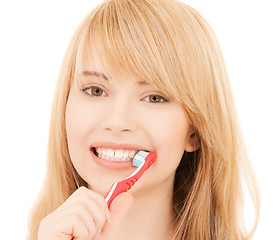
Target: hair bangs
column 123, row 38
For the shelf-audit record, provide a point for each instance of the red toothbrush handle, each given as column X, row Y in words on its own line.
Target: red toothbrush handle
column 120, row 187
column 115, row 190
column 126, row 184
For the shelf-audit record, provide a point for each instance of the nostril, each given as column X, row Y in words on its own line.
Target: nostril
column 118, row 123
column 118, row 129
column 125, row 130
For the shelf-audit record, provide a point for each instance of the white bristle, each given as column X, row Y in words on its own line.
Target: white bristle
column 143, row 153
column 139, row 158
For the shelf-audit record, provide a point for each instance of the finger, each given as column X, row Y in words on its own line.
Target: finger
column 118, row 210
column 82, row 214
column 90, row 210
column 79, row 228
column 85, row 192
column 87, row 219
column 68, row 228
column 95, row 204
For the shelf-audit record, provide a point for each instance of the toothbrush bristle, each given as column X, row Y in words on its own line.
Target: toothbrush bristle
column 137, row 163
column 139, row 158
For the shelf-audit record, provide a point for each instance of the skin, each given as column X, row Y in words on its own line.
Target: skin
column 120, row 110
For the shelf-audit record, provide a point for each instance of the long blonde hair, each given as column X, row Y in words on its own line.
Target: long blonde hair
column 168, row 44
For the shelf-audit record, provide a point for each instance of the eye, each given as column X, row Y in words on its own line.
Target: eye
column 155, row 99
column 94, row 91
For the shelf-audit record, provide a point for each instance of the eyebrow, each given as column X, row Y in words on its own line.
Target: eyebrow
column 142, row 83
column 96, row 74
column 104, row 76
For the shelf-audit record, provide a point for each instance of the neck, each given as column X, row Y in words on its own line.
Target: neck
column 150, row 216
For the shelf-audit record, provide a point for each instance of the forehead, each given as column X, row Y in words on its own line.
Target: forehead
column 92, row 65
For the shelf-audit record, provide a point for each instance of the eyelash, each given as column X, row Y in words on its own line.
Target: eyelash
column 95, row 87
column 163, row 100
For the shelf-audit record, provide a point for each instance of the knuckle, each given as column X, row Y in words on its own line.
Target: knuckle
column 78, row 207
column 103, row 203
column 75, row 219
column 82, row 190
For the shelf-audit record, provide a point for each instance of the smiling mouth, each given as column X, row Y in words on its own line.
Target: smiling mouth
column 114, row 155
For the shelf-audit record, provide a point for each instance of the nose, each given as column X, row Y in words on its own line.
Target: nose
column 118, row 117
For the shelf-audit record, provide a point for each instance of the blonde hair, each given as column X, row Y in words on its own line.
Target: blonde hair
column 168, row 44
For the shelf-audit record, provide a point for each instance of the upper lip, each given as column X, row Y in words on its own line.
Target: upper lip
column 116, row 146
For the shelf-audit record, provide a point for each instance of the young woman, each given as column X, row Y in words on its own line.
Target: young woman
column 143, row 75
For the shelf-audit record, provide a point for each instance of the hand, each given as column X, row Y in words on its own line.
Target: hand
column 85, row 216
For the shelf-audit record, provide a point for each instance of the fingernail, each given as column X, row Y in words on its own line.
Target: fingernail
column 98, row 232
column 108, row 214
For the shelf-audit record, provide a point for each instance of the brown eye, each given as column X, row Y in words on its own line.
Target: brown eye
column 155, row 99
column 95, row 91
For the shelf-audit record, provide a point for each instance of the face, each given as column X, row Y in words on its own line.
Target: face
column 110, row 118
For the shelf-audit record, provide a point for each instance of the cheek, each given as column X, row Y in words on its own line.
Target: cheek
column 79, row 121
column 74, row 128
column 171, row 129
column 170, row 134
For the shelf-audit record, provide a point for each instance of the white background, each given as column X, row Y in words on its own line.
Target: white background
column 33, row 39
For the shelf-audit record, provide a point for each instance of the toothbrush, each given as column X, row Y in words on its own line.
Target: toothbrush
column 143, row 160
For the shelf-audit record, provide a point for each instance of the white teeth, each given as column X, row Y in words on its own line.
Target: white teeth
column 118, row 154
column 115, row 155
column 125, row 154
column 109, row 153
column 132, row 154
column 99, row 151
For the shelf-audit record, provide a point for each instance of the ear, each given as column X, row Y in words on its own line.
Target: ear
column 192, row 141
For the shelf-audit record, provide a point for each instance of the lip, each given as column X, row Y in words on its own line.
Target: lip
column 116, row 146
column 114, row 164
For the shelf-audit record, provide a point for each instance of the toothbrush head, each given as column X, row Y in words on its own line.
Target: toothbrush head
column 139, row 158
column 144, row 157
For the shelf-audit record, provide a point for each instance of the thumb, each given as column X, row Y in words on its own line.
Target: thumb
column 118, row 209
